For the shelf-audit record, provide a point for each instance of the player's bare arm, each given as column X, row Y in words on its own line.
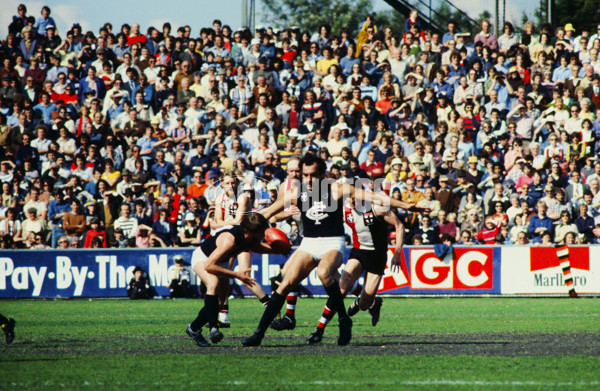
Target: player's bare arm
column 391, row 218
column 225, row 245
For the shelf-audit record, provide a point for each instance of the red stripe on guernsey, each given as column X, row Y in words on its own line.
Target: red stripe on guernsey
column 545, row 258
column 349, row 217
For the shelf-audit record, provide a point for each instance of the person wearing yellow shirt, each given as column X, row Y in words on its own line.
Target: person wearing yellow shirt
column 324, row 64
column 110, row 175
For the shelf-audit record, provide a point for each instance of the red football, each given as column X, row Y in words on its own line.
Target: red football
column 278, row 240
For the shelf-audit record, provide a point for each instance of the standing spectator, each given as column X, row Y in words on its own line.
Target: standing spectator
column 74, row 223
column 57, row 209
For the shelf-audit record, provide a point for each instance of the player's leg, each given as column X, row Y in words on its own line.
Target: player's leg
column 368, row 300
column 352, row 272
column 301, row 263
column 245, row 263
column 326, row 271
column 8, row 326
column 288, row 321
column 223, row 296
column 208, row 313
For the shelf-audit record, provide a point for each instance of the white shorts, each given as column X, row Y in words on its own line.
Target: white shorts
column 318, row 247
column 199, row 256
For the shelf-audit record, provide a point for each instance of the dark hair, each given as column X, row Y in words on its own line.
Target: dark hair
column 309, row 160
column 254, row 222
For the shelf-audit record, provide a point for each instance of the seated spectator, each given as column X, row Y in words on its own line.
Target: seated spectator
column 163, row 231
column 33, row 224
column 179, row 279
column 94, row 232
column 491, row 228
column 522, row 239
column 539, row 223
column 428, row 233
column 139, row 285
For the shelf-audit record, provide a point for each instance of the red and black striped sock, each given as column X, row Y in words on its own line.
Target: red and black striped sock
column 290, row 308
column 562, row 251
column 326, row 317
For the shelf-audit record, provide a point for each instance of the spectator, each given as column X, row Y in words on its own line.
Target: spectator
column 179, row 279
column 93, row 233
column 539, row 223
column 162, row 230
column 139, row 285
column 74, row 222
column 127, row 223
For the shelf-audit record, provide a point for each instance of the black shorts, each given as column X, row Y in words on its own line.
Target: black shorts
column 373, row 261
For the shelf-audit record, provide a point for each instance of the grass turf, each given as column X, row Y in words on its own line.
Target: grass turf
column 449, row 343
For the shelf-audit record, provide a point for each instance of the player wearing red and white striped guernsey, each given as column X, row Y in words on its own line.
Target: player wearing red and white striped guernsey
column 369, row 225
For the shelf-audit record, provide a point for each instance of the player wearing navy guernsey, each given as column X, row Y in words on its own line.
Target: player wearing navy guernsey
column 369, row 225
column 288, row 187
column 321, row 206
column 230, row 209
column 212, row 262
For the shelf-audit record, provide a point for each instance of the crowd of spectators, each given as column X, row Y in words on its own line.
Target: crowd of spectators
column 118, row 139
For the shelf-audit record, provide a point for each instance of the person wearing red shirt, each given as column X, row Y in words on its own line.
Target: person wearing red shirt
column 373, row 168
column 384, row 103
column 136, row 37
column 289, row 55
column 93, row 232
column 488, row 234
column 69, row 96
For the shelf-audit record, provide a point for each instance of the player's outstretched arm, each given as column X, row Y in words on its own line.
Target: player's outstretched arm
column 273, row 209
column 368, row 196
column 284, row 214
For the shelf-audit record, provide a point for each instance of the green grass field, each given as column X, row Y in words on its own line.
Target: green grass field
column 424, row 344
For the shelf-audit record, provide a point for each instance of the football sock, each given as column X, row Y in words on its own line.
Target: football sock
column 272, row 309
column 355, row 303
column 290, row 308
column 200, row 320
column 326, row 317
column 3, row 320
column 211, row 303
column 336, row 299
column 264, row 300
column 224, row 313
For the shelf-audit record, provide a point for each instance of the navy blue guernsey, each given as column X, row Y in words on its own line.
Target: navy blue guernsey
column 321, row 215
column 210, row 244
